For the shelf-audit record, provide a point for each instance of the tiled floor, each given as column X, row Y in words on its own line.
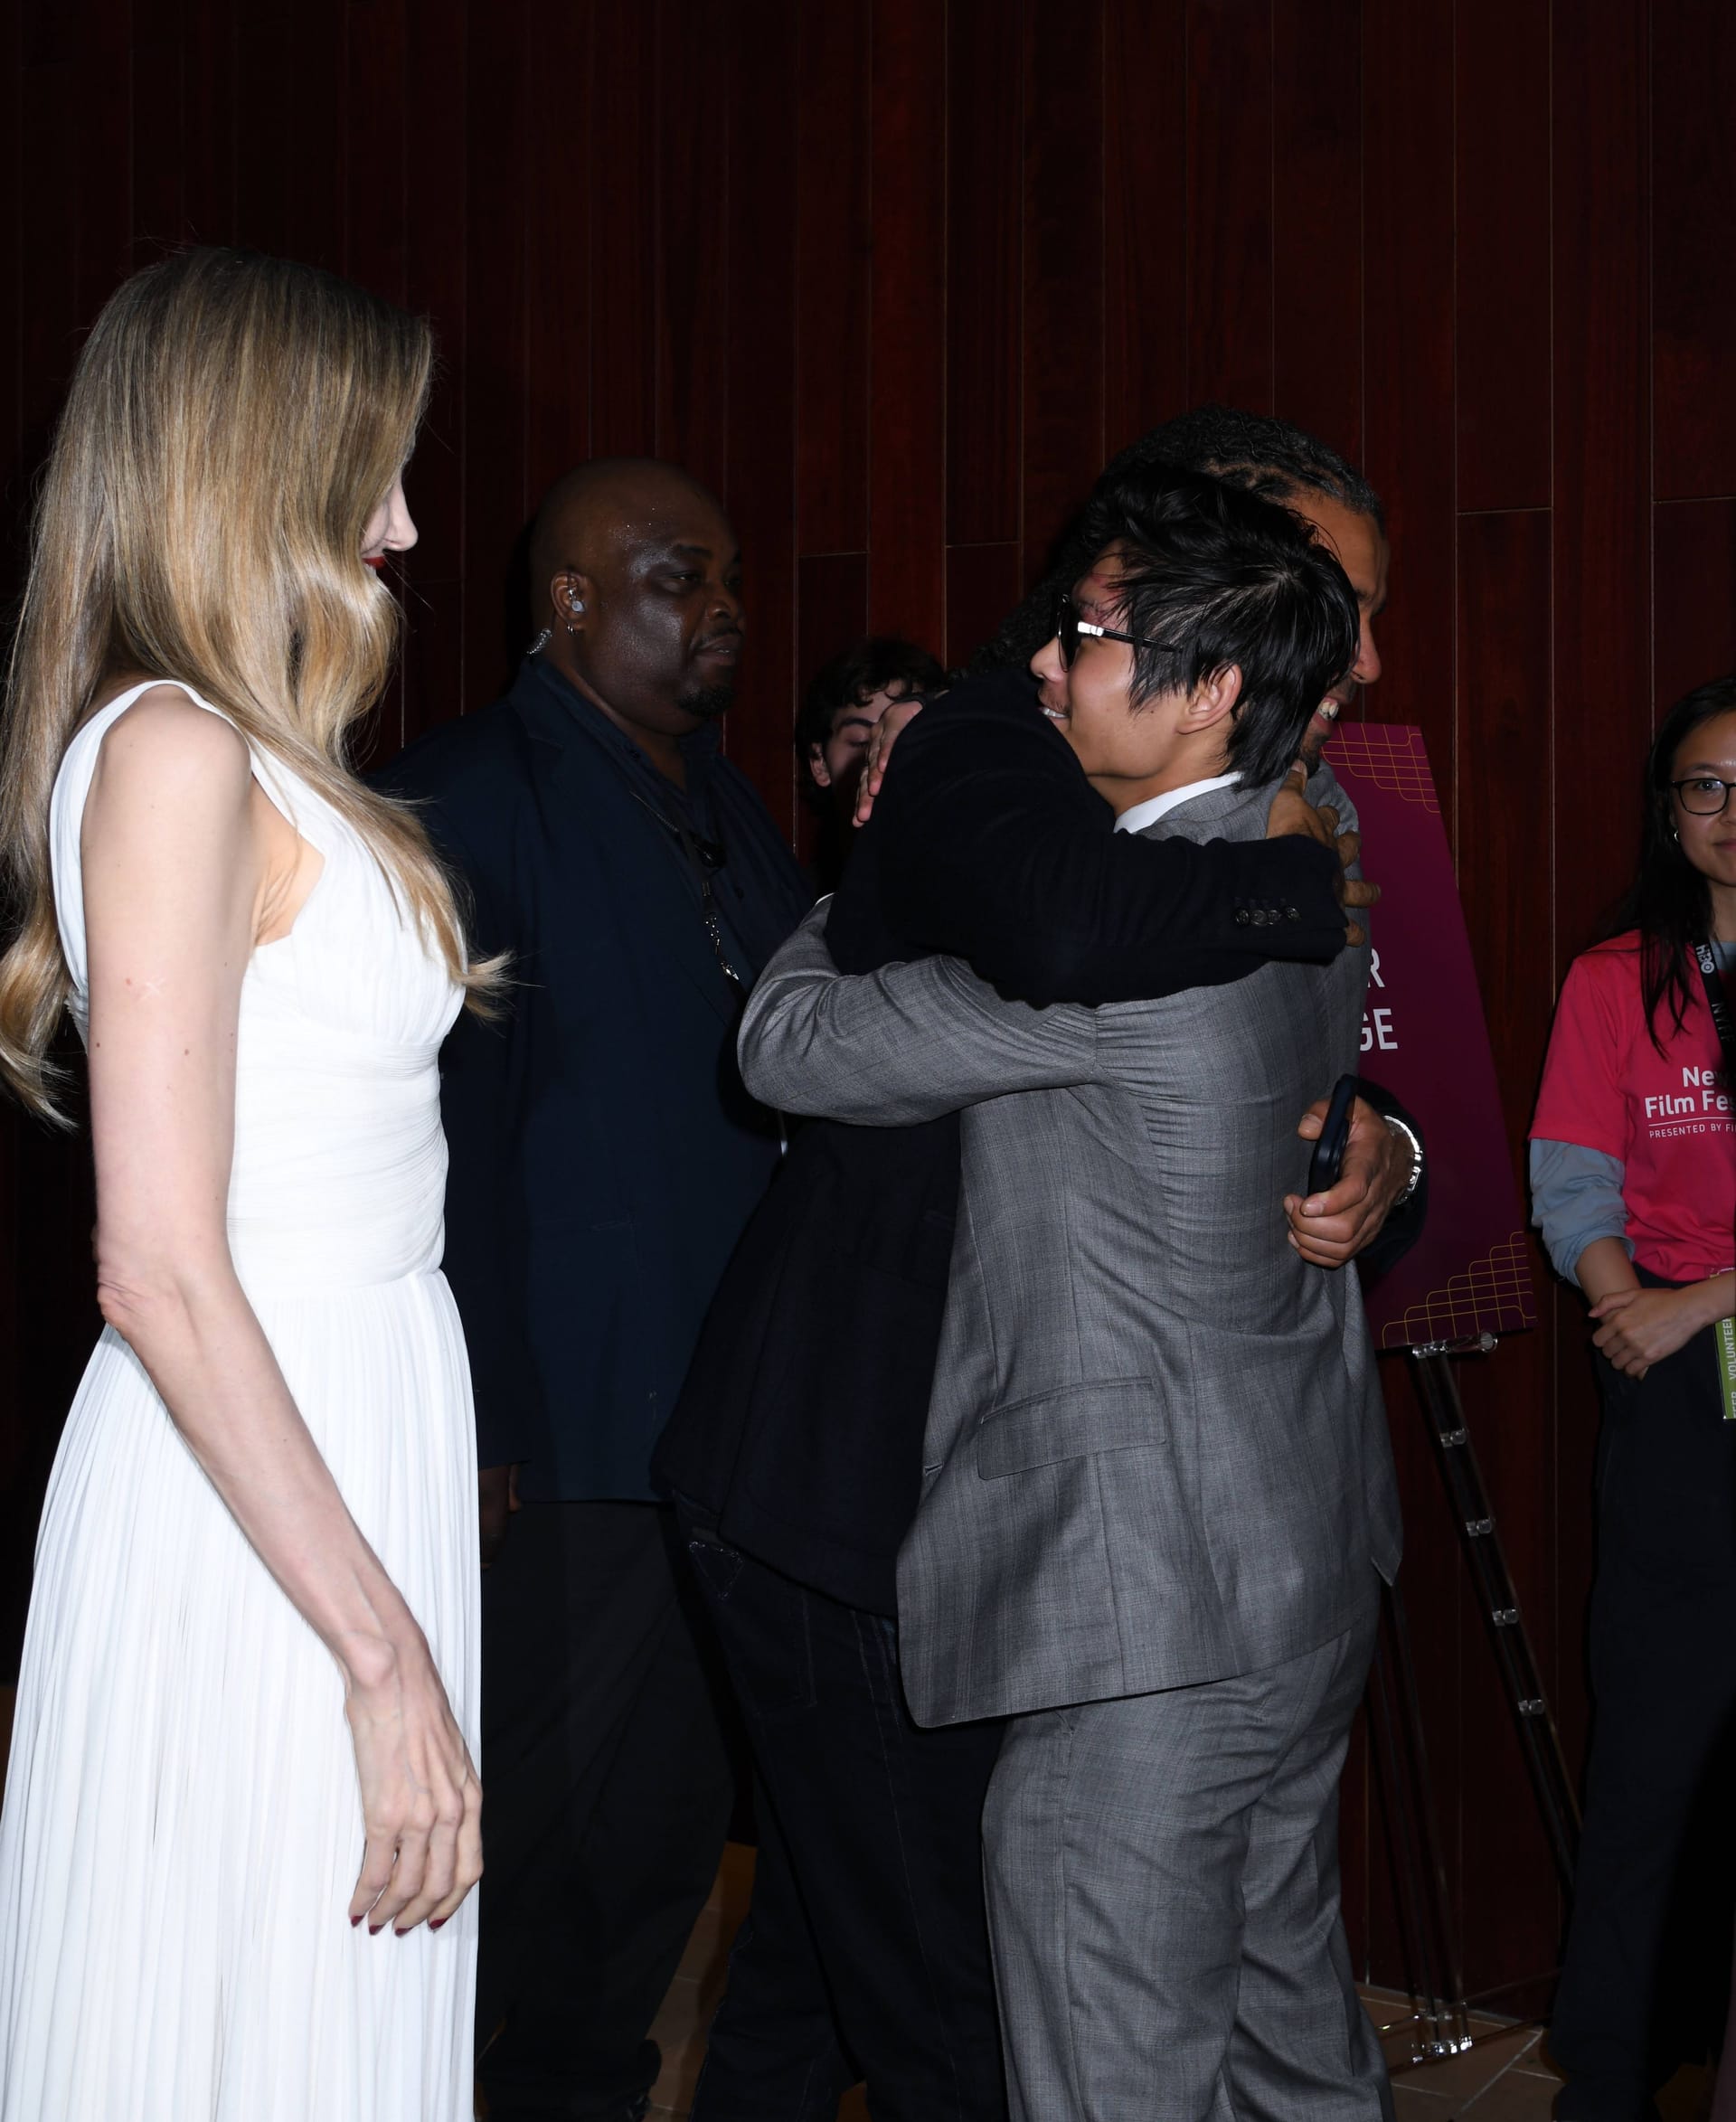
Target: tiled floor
column 1504, row 2076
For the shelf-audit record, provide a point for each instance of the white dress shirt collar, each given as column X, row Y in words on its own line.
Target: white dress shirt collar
column 1155, row 807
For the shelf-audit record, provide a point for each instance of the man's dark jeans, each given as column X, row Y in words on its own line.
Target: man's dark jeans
column 865, row 1952
column 606, row 1790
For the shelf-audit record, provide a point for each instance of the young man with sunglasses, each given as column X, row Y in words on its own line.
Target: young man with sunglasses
column 1157, row 1491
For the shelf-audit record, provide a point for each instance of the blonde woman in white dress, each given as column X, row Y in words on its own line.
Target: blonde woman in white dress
column 242, row 1819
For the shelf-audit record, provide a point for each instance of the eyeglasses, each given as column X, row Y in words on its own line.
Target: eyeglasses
column 1069, row 627
column 1702, row 795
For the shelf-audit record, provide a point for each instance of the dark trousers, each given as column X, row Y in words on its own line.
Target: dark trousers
column 865, row 1953
column 606, row 1799
column 1645, row 1977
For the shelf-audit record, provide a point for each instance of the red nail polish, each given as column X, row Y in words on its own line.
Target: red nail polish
column 354, row 1921
column 437, row 1921
column 375, row 1928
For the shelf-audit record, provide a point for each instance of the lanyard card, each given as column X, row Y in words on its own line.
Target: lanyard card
column 1724, row 1339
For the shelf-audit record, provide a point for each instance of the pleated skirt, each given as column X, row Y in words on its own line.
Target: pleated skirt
column 182, row 1829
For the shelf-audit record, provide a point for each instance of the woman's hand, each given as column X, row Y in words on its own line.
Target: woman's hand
column 886, row 731
column 1641, row 1326
column 421, row 1803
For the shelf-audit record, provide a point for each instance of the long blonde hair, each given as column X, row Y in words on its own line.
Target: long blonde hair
column 233, row 423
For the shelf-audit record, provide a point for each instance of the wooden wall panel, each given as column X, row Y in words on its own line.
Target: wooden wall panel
column 1230, row 95
column 1061, row 319
column 1316, row 160
column 1501, row 198
column 1694, row 578
column 1407, row 85
column 758, row 484
column 897, row 277
column 1145, row 215
column 985, row 108
column 907, row 455
column 616, row 184
column 833, row 239
column 1693, row 154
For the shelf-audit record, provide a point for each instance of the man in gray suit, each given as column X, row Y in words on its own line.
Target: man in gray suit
column 1157, row 1488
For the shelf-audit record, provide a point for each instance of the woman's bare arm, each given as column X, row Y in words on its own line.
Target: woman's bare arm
column 180, row 875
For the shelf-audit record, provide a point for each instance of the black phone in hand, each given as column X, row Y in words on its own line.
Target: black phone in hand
column 1328, row 1159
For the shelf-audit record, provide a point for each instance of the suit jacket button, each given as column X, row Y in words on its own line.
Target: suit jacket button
column 1242, row 917
column 1291, row 911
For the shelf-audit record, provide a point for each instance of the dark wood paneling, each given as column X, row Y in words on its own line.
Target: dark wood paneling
column 559, row 295
column 985, row 102
column 693, row 271
column 759, row 477
column 1602, row 640
column 1501, row 334
column 1316, row 217
column 492, row 378
column 1694, row 282
column 983, row 585
column 834, row 50
column 1145, row 215
column 434, row 203
column 1506, row 853
column 1694, row 578
column 1062, row 322
column 617, row 188
column 1229, row 93
column 907, row 458
column 1407, row 77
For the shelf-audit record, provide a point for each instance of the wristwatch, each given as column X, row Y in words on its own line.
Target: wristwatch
column 1409, row 1135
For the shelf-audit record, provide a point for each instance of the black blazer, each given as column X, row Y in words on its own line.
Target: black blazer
column 604, row 1155
column 800, row 1426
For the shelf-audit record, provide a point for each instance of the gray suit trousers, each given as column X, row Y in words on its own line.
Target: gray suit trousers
column 1163, row 1902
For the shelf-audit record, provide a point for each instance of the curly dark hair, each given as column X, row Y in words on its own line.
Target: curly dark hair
column 853, row 676
column 1262, row 456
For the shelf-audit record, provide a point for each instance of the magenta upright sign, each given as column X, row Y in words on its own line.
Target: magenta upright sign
column 1425, row 1038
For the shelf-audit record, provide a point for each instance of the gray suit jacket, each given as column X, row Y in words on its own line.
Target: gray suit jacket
column 1156, row 1452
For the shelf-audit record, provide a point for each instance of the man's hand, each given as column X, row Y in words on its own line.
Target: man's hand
column 1291, row 813
column 496, row 1499
column 885, row 733
column 1641, row 1326
column 1329, row 1229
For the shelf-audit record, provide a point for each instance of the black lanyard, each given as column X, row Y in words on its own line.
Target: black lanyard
column 1718, row 1003
column 702, row 857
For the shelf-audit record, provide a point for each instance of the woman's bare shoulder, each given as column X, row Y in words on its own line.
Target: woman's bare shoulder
column 168, row 751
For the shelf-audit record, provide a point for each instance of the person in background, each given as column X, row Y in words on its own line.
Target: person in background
column 605, row 1157
column 838, row 715
column 1633, row 1172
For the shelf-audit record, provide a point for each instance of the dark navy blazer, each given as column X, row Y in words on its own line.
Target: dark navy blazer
column 604, row 1155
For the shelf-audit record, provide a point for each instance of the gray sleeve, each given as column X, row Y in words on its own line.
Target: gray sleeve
column 1576, row 1199
column 903, row 1044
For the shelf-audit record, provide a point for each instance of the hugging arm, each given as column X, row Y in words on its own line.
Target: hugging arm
column 992, row 849
column 903, row 1044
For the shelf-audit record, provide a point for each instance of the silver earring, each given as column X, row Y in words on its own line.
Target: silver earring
column 542, row 642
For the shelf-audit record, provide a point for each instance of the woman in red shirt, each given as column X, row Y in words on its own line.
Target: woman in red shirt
column 1633, row 1167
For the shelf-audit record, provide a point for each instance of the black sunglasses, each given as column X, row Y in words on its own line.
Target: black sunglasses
column 1069, row 628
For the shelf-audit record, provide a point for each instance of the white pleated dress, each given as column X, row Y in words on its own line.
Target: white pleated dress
column 182, row 1829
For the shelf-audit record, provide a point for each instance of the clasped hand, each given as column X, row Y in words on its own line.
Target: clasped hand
column 1641, row 1326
